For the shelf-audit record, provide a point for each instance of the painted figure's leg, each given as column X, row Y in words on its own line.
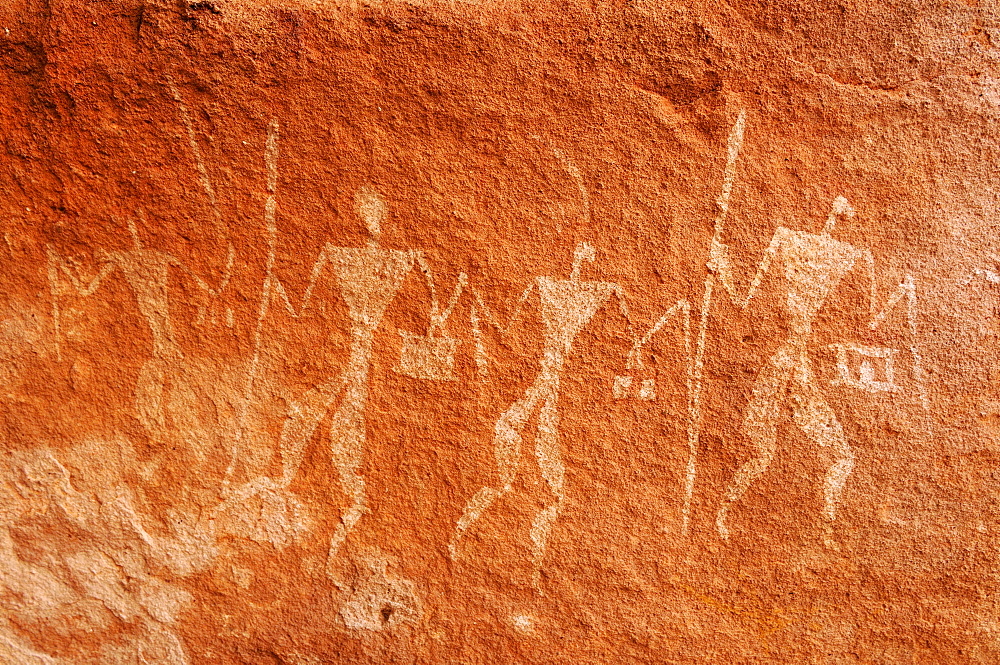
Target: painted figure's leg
column 507, row 448
column 303, row 418
column 554, row 472
column 347, row 439
column 760, row 426
column 818, row 421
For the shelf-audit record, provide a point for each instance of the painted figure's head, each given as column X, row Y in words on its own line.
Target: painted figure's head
column 133, row 230
column 371, row 208
column 584, row 252
column 840, row 207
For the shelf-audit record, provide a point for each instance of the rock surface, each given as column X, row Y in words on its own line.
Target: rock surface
column 429, row 332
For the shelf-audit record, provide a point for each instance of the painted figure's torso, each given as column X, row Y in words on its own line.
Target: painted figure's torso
column 567, row 306
column 813, row 266
column 369, row 279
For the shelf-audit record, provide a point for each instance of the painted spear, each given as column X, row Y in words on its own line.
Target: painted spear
column 694, row 400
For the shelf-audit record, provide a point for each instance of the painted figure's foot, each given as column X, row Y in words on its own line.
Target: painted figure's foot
column 720, row 523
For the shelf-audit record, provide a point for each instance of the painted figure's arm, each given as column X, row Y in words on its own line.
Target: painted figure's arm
column 227, row 273
column 463, row 279
column 57, row 265
column 765, row 265
column 720, row 263
column 201, row 284
column 682, row 307
column 492, row 319
column 437, row 317
column 317, row 271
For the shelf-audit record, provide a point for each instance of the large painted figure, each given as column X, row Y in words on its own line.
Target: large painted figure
column 567, row 306
column 369, row 279
column 813, row 266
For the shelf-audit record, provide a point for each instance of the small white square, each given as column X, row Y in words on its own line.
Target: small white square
column 647, row 390
column 620, row 388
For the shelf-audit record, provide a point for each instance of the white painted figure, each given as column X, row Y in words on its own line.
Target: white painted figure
column 813, row 265
column 369, row 278
column 147, row 273
column 566, row 306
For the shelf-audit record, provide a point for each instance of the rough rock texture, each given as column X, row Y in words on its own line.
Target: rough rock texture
column 401, row 332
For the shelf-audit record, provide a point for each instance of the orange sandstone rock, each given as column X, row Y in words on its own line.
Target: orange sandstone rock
column 405, row 332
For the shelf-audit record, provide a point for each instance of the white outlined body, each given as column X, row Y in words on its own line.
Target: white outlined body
column 813, row 265
column 567, row 306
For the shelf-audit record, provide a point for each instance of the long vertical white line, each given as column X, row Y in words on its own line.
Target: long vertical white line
column 733, row 146
column 270, row 223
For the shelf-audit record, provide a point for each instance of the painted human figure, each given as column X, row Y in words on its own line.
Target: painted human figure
column 369, row 279
column 147, row 273
column 566, row 306
column 813, row 266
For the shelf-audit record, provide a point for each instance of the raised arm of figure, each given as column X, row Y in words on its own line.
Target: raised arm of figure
column 218, row 225
column 202, row 284
column 719, row 263
column 492, row 319
column 227, row 271
column 57, row 265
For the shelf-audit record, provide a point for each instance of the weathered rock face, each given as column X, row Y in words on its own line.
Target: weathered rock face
column 495, row 333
